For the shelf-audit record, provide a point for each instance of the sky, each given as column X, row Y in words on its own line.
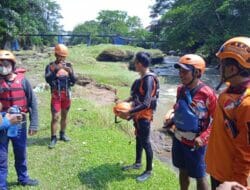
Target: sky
column 75, row 12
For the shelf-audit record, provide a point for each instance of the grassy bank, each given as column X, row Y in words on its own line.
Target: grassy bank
column 92, row 160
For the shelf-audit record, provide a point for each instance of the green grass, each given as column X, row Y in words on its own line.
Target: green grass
column 111, row 73
column 93, row 159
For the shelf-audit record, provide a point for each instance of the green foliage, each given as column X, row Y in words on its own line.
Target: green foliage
column 94, row 157
column 160, row 7
column 27, row 17
column 84, row 60
column 111, row 23
column 89, row 27
column 198, row 25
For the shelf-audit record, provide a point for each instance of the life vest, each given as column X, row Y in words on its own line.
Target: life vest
column 138, row 95
column 185, row 118
column 13, row 93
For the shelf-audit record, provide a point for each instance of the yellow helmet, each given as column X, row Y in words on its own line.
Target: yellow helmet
column 7, row 55
column 237, row 48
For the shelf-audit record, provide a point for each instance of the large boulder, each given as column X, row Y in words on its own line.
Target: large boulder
column 157, row 57
column 131, row 65
column 129, row 55
column 114, row 54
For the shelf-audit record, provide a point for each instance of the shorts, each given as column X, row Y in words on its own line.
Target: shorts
column 60, row 101
column 193, row 161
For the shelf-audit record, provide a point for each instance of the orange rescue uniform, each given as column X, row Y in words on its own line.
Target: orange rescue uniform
column 228, row 157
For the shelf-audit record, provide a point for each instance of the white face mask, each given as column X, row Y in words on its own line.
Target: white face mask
column 5, row 70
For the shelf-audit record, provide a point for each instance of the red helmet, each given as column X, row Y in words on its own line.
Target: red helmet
column 61, row 50
column 192, row 59
column 122, row 106
column 237, row 48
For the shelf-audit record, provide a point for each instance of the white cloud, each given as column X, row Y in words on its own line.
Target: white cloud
column 79, row 11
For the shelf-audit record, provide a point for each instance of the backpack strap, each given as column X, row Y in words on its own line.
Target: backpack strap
column 230, row 122
column 196, row 89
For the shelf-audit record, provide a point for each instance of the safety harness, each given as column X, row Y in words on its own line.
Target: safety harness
column 62, row 81
column 62, row 84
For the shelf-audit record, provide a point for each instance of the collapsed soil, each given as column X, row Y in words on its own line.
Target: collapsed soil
column 101, row 94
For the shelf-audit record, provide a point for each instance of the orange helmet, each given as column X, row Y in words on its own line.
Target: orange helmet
column 191, row 59
column 122, row 106
column 62, row 73
column 237, row 48
column 61, row 50
column 7, row 55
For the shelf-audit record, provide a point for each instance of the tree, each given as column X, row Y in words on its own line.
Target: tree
column 111, row 23
column 87, row 28
column 117, row 22
column 160, row 7
column 201, row 26
column 29, row 16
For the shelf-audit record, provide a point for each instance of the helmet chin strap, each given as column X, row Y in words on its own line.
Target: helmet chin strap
column 224, row 79
column 192, row 79
column 190, row 82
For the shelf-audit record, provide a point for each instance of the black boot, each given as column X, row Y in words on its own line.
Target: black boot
column 64, row 137
column 53, row 142
column 30, row 182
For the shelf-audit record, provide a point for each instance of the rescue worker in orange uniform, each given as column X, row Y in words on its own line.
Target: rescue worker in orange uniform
column 144, row 94
column 193, row 112
column 60, row 76
column 228, row 152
